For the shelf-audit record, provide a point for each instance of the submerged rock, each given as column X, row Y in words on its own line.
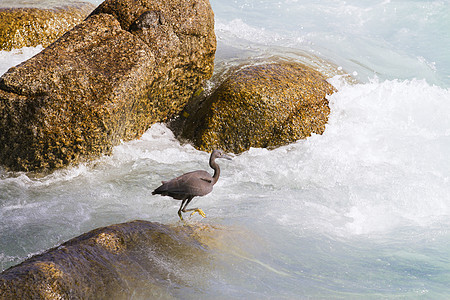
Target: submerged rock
column 31, row 23
column 128, row 65
column 137, row 259
column 265, row 106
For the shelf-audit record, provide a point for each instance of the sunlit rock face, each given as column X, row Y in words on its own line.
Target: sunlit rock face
column 128, row 65
column 264, row 106
column 135, row 259
column 35, row 22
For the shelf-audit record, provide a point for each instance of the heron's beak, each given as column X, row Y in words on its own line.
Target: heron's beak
column 226, row 157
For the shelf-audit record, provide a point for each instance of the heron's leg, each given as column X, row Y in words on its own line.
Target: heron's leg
column 200, row 212
column 181, row 208
column 185, row 202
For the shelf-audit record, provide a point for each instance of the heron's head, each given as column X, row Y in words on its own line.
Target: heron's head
column 219, row 154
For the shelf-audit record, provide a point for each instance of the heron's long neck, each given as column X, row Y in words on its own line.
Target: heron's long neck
column 215, row 166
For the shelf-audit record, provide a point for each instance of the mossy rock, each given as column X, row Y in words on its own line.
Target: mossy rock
column 129, row 65
column 32, row 23
column 137, row 259
column 263, row 106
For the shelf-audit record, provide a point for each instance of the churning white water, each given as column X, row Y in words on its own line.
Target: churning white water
column 361, row 211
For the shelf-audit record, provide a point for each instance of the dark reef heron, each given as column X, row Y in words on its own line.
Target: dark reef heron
column 189, row 185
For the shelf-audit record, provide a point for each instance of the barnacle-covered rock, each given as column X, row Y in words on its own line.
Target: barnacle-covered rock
column 128, row 65
column 38, row 22
column 265, row 105
column 137, row 259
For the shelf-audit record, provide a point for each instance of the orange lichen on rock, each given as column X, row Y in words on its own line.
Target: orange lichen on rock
column 266, row 106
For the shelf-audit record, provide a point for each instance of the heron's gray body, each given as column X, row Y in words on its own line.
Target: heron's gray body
column 196, row 183
column 192, row 184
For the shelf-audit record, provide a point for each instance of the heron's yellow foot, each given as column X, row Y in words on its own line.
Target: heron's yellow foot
column 200, row 212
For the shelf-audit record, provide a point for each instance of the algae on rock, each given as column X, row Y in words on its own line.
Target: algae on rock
column 121, row 261
column 128, row 65
column 265, row 106
column 32, row 23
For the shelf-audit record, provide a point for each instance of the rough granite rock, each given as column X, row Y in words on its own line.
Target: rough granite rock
column 138, row 259
column 128, row 65
column 31, row 23
column 264, row 106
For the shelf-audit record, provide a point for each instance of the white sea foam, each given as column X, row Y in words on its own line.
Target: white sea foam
column 11, row 58
column 380, row 164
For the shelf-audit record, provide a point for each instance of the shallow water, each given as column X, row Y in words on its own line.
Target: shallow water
column 361, row 211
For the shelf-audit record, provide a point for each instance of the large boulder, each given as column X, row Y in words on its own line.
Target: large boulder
column 128, row 65
column 264, row 106
column 38, row 22
column 138, row 260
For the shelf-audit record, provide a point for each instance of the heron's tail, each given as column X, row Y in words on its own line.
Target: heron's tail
column 161, row 190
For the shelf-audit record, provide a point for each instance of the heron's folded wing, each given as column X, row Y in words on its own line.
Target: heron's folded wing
column 206, row 179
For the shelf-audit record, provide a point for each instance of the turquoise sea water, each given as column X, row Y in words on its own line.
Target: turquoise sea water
column 360, row 212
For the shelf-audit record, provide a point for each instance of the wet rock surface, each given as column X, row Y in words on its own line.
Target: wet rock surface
column 128, row 65
column 265, row 106
column 32, row 23
column 134, row 259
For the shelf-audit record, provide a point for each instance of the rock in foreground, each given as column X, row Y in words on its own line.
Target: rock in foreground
column 32, row 23
column 129, row 65
column 138, row 259
column 262, row 106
